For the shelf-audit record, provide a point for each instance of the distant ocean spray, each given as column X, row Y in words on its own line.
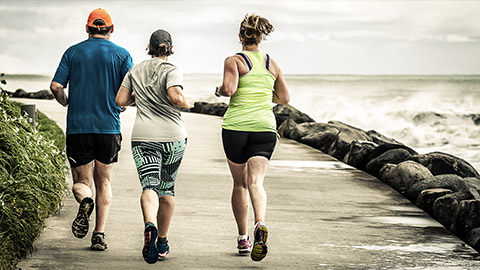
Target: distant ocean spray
column 426, row 112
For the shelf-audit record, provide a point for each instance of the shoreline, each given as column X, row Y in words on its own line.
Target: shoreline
column 424, row 113
column 443, row 185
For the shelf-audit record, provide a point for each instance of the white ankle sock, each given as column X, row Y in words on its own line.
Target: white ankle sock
column 242, row 237
column 259, row 222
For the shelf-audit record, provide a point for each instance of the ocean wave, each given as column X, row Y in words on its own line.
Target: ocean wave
column 430, row 128
column 427, row 112
column 437, row 118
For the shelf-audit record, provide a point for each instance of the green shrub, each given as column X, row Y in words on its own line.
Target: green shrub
column 49, row 129
column 32, row 180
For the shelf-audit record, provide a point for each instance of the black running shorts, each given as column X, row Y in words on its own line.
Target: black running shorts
column 239, row 146
column 83, row 148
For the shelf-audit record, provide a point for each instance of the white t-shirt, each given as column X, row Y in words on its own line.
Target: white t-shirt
column 157, row 119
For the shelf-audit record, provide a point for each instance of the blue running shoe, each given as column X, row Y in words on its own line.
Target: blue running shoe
column 163, row 248
column 150, row 251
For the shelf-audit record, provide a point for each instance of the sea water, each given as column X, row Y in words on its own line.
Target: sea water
column 426, row 112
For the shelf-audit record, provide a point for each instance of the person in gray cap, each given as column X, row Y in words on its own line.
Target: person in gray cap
column 159, row 137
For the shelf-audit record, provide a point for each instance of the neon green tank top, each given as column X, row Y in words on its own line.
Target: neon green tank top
column 250, row 108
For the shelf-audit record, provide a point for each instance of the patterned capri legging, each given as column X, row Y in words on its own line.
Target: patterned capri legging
column 157, row 164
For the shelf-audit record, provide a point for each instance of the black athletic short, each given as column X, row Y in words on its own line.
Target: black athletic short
column 83, row 148
column 239, row 146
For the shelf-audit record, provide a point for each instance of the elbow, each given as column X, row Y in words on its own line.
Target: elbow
column 119, row 102
column 286, row 100
column 122, row 101
column 281, row 99
column 55, row 89
column 228, row 91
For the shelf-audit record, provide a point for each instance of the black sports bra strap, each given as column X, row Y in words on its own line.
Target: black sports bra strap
column 246, row 60
column 268, row 61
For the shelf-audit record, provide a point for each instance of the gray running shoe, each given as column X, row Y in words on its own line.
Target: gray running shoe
column 98, row 241
column 80, row 224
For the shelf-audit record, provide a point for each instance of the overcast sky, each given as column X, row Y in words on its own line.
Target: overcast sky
column 326, row 37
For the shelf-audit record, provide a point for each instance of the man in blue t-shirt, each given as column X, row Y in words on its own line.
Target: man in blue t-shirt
column 94, row 70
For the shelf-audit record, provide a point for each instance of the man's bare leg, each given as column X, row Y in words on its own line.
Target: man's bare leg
column 82, row 190
column 82, row 181
column 103, row 196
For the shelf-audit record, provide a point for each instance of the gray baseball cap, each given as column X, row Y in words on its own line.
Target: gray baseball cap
column 160, row 37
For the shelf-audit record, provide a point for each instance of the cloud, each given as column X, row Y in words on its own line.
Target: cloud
column 347, row 33
column 449, row 38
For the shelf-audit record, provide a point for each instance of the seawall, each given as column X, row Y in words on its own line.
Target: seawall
column 444, row 186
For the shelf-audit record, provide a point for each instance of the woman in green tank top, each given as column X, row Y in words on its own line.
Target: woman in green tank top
column 253, row 81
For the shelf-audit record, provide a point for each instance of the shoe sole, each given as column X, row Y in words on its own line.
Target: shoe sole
column 150, row 251
column 81, row 223
column 98, row 247
column 162, row 256
column 243, row 252
column 260, row 249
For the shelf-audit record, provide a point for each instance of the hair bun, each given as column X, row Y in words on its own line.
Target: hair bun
column 254, row 28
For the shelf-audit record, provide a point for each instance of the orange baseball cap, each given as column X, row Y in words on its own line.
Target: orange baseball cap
column 99, row 16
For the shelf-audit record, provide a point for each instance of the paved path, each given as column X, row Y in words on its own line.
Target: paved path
column 321, row 214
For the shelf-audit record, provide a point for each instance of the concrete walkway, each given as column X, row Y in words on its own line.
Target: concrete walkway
column 321, row 214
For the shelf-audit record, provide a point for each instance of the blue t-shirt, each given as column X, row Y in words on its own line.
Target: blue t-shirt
column 95, row 69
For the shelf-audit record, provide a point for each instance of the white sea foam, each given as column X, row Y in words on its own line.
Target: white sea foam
column 428, row 113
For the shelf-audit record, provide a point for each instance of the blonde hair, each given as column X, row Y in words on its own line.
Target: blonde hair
column 254, row 28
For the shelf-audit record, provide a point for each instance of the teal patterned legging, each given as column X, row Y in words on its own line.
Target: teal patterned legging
column 157, row 164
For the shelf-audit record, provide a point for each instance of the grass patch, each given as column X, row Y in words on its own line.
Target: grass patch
column 32, row 180
column 49, row 129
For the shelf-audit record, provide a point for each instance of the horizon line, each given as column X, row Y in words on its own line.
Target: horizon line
column 286, row 74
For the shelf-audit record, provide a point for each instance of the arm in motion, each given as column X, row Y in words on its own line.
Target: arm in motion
column 176, row 97
column 281, row 93
column 125, row 97
column 230, row 78
column 59, row 93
